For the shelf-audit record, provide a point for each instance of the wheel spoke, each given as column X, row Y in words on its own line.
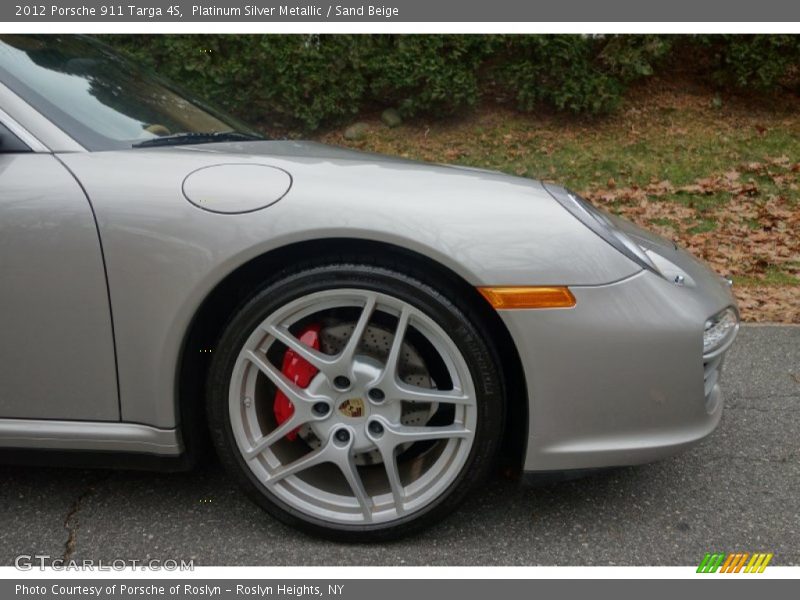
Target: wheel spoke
column 393, row 475
column 273, row 436
column 319, row 360
column 296, row 394
column 346, row 356
column 317, row 457
column 421, row 394
column 401, row 434
column 393, row 360
column 350, row 472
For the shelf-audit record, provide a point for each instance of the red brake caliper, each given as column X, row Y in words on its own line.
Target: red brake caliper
column 298, row 370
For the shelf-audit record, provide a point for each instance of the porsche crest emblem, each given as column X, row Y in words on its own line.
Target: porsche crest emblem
column 352, row 407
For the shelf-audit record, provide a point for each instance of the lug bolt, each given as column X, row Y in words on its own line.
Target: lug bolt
column 375, row 428
column 376, row 395
column 321, row 408
column 342, row 436
column 341, row 382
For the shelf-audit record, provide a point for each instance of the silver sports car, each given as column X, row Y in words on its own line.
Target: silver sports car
column 360, row 336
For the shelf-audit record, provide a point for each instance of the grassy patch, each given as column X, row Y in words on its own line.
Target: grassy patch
column 664, row 222
column 772, row 276
column 703, row 226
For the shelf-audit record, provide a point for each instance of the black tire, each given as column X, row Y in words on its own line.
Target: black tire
column 441, row 303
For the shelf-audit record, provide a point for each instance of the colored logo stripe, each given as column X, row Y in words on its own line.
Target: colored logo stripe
column 711, row 562
column 734, row 562
column 758, row 563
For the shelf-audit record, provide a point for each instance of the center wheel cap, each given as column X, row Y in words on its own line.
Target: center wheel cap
column 353, row 408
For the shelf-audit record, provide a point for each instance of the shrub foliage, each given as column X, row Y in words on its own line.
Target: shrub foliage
column 306, row 81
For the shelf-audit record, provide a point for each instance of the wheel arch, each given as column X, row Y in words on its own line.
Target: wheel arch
column 211, row 318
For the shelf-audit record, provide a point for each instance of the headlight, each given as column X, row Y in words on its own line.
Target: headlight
column 598, row 222
column 719, row 330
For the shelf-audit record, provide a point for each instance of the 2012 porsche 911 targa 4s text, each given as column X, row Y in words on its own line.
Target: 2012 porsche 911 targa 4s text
column 361, row 336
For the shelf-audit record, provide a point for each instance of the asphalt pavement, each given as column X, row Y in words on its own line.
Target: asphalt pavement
column 737, row 491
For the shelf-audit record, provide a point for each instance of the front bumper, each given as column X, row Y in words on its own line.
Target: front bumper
column 620, row 379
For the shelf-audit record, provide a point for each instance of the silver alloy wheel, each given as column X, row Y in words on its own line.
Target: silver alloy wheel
column 325, row 482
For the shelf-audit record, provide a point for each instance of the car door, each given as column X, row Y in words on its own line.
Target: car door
column 56, row 341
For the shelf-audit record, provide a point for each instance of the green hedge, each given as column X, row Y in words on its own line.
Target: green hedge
column 754, row 61
column 306, row 81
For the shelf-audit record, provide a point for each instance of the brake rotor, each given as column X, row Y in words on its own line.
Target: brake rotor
column 376, row 343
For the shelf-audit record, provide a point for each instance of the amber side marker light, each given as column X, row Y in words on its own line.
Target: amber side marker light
column 528, row 297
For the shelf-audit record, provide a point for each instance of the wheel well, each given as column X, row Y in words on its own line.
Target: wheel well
column 213, row 315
